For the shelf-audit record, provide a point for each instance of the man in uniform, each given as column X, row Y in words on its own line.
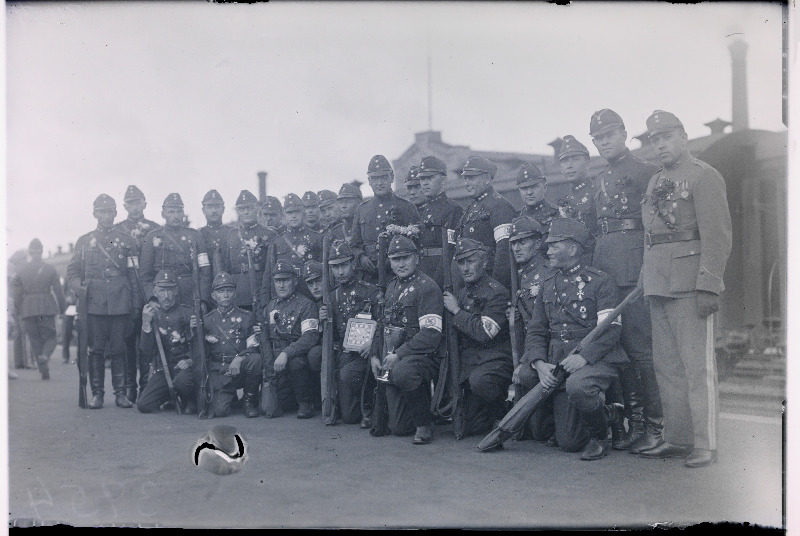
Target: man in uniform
column 272, row 212
column 137, row 226
column 578, row 203
column 311, row 213
column 33, row 288
column 312, row 275
column 214, row 231
column 247, row 237
column 329, row 210
column 620, row 188
column 688, row 241
column 176, row 325
column 349, row 199
column 294, row 330
column 173, row 247
column 234, row 361
column 413, row 187
column 412, row 333
column 103, row 264
column 372, row 216
column 436, row 213
column 299, row 243
column 571, row 303
column 532, row 186
column 479, row 317
column 487, row 219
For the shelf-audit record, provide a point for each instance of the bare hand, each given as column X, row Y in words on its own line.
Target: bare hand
column 707, row 303
column 390, row 360
column 235, row 367
column 545, row 371
column 184, row 364
column 323, row 313
column 365, row 352
column 148, row 312
column 573, row 363
column 375, row 365
column 280, row 362
column 450, row 302
column 367, row 264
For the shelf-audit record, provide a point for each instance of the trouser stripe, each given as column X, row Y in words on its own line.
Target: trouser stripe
column 711, row 375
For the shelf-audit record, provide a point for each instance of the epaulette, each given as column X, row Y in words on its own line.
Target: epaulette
column 596, row 271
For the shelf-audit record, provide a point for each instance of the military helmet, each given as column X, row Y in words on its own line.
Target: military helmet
column 350, row 190
column 133, row 193
column 246, row 199
column 603, row 121
column 212, row 197
column 173, row 200
column 293, row 203
column 379, row 165
column 104, row 202
column 271, row 205
column 310, row 199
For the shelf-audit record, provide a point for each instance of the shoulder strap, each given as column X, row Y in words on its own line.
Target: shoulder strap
column 106, row 254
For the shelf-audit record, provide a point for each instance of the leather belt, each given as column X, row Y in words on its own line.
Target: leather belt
column 223, row 360
column 677, row 236
column 567, row 335
column 432, row 252
column 628, row 224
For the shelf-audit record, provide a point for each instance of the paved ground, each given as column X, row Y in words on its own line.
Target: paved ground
column 116, row 466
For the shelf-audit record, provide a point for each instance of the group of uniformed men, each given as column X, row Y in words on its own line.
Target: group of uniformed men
column 650, row 377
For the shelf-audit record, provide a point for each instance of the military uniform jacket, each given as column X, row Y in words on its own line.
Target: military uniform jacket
column 372, row 217
column 620, row 188
column 578, row 204
column 214, row 235
column 570, row 305
column 349, row 300
column 482, row 325
column 531, row 277
column 33, row 287
column 415, row 304
column 298, row 246
column 341, row 231
column 488, row 220
column 171, row 248
column 137, row 229
column 238, row 240
column 176, row 334
column 688, row 197
column 544, row 212
column 436, row 214
column 293, row 324
column 229, row 334
column 103, row 261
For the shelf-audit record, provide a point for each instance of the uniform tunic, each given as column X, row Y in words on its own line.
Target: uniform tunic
column 298, row 246
column 689, row 199
column 436, row 213
column 579, row 204
column 544, row 212
column 235, row 245
column 214, row 235
column 33, row 288
column 488, row 220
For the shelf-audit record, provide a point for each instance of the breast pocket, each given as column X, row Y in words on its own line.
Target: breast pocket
column 683, row 271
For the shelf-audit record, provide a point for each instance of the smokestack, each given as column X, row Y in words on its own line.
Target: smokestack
column 262, row 186
column 739, row 112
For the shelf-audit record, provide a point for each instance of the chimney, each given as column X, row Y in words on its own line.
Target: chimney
column 717, row 126
column 262, row 186
column 427, row 138
column 739, row 111
column 556, row 145
column 59, row 250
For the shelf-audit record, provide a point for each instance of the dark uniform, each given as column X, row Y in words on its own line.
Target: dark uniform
column 572, row 302
column 230, row 334
column 484, row 346
column 103, row 263
column 374, row 215
column 312, row 271
column 172, row 248
column 544, row 211
column 688, row 241
column 436, row 213
column 412, row 330
column 174, row 328
column 347, row 191
column 34, row 286
column 293, row 330
column 578, row 203
column 214, row 234
column 488, row 220
column 298, row 245
column 620, row 188
column 272, row 214
column 327, row 198
column 138, row 230
column 311, row 204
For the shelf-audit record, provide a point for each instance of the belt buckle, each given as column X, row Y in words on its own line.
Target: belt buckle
column 604, row 226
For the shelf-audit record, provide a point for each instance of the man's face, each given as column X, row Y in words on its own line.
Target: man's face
column 167, row 296
column 524, row 249
column 415, row 194
column 284, row 286
column 173, row 216
column 248, row 214
column 669, row 145
column 105, row 217
column 330, row 214
column 533, row 194
column 475, row 185
column 343, row 273
column 381, row 184
column 312, row 215
column 272, row 219
column 562, row 254
column 404, row 266
column 224, row 297
column 432, row 184
column 473, row 267
column 348, row 206
column 294, row 218
column 213, row 212
column 135, row 208
column 574, row 166
column 315, row 288
column 610, row 145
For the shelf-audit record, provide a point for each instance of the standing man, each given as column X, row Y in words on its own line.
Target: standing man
column 272, row 212
column 412, row 333
column 618, row 252
column 372, row 216
column 413, row 187
column 329, row 209
column 298, row 243
column 38, row 298
column 488, row 218
column 349, row 199
column 312, row 275
column 578, row 203
column 688, row 241
column 214, row 231
column 103, row 264
column 436, row 213
column 137, row 226
column 479, row 316
column 311, row 213
column 532, row 186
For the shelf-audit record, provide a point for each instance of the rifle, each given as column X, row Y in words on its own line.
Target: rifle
column 270, row 404
column 83, row 334
column 514, row 333
column 328, row 372
column 205, row 409
column 380, row 410
column 520, row 413
column 450, row 353
column 159, row 343
column 453, row 355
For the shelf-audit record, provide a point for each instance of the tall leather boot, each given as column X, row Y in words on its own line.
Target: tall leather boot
column 118, row 379
column 250, row 395
column 632, row 395
column 653, row 413
column 596, row 425
column 97, row 377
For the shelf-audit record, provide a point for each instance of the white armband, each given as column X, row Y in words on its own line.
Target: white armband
column 133, row 262
column 491, row 327
column 311, row 324
column 202, row 260
column 252, row 341
column 502, row 231
column 431, row 321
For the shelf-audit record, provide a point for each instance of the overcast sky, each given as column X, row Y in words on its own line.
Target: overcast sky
column 192, row 96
